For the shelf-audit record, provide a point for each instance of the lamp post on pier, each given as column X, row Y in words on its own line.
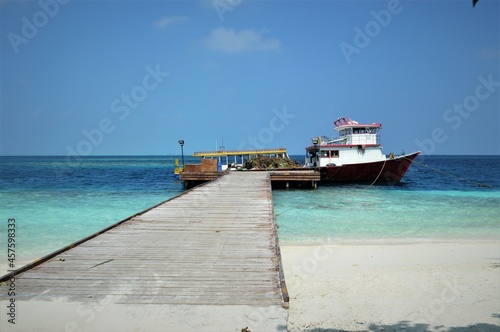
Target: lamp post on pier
column 181, row 143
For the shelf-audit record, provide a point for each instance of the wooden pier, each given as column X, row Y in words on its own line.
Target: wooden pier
column 280, row 178
column 207, row 260
column 211, row 168
column 298, row 178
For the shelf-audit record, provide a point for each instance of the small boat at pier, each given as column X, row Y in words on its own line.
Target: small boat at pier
column 356, row 155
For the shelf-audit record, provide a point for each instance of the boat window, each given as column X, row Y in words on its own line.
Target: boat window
column 335, row 153
column 342, row 132
column 348, row 131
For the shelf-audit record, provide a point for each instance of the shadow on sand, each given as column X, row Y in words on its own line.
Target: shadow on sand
column 405, row 326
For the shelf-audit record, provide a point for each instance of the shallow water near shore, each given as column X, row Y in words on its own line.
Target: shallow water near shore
column 56, row 201
column 440, row 198
column 375, row 214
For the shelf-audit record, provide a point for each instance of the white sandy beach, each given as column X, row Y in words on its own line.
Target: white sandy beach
column 333, row 287
column 393, row 287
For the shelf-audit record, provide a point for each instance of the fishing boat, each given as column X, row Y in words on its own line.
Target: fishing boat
column 356, row 155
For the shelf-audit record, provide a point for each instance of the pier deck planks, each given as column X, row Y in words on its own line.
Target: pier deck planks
column 213, row 245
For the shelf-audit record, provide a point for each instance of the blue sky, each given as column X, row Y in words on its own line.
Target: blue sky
column 134, row 77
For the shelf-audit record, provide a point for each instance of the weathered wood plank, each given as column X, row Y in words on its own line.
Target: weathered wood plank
column 215, row 244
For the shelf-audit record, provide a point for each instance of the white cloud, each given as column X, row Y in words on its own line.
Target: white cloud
column 229, row 40
column 169, row 20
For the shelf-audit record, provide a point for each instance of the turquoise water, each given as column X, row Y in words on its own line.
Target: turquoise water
column 441, row 197
column 354, row 214
column 56, row 201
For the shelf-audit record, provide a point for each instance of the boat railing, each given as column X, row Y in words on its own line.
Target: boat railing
column 327, row 140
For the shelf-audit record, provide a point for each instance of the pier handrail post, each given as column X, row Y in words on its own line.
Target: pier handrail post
column 181, row 143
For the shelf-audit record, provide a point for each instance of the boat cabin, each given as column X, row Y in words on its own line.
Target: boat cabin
column 356, row 143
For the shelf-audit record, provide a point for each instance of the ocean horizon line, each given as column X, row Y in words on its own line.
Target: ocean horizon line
column 191, row 155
